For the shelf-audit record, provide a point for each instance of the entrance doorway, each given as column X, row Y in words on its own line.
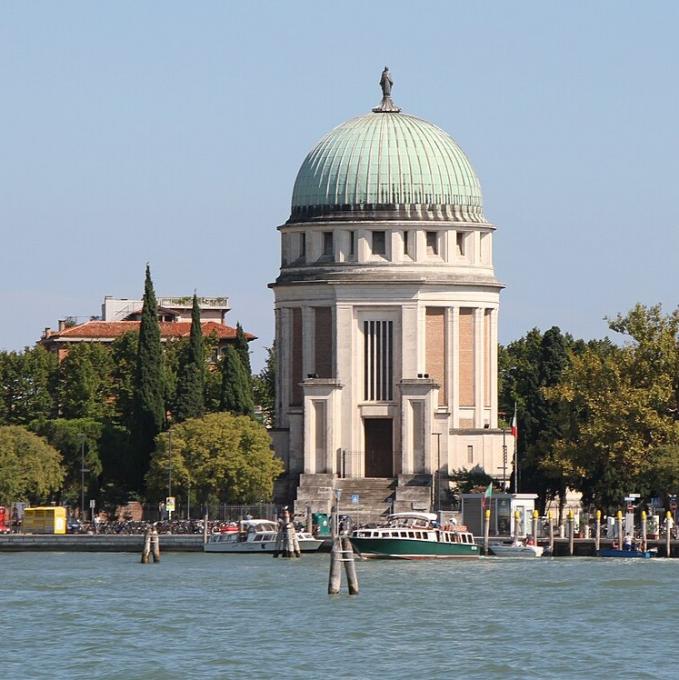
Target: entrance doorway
column 379, row 456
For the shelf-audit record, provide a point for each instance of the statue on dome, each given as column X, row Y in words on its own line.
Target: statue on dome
column 386, row 82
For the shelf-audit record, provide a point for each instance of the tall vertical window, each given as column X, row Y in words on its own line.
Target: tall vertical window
column 328, row 246
column 459, row 242
column 470, row 454
column 408, row 238
column 378, row 353
column 352, row 244
column 379, row 243
column 432, row 243
column 302, row 245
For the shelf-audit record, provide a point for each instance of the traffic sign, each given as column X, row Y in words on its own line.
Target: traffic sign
column 355, row 498
column 169, row 503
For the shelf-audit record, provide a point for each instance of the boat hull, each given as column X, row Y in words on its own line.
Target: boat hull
column 516, row 551
column 638, row 554
column 413, row 549
column 266, row 547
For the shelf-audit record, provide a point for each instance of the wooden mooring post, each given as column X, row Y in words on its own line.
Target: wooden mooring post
column 155, row 544
column 287, row 544
column 668, row 534
column 571, row 533
column 486, row 531
column 205, row 528
column 618, row 523
column 644, row 531
column 534, row 527
column 146, row 550
column 551, row 532
column 342, row 552
column 597, row 531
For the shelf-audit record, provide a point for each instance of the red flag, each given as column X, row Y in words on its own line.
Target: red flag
column 515, row 429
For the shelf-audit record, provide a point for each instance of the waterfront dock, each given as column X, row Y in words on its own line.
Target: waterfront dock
column 133, row 543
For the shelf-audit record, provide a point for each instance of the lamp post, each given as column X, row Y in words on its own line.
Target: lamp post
column 504, row 457
column 169, row 470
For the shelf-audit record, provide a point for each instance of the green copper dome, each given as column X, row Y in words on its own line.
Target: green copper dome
column 390, row 161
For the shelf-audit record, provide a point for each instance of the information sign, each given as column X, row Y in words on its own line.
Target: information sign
column 169, row 503
column 355, row 498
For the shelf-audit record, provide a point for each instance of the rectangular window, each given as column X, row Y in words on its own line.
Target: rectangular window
column 379, row 243
column 378, row 360
column 408, row 238
column 470, row 455
column 352, row 244
column 459, row 242
column 302, row 245
column 432, row 243
column 328, row 245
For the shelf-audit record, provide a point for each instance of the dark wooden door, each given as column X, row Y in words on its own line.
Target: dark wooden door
column 379, row 457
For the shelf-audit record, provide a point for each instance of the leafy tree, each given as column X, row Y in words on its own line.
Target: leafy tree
column 149, row 406
column 264, row 387
column 27, row 385
column 623, row 402
column 30, row 469
column 236, row 394
column 224, row 456
column 123, row 374
column 213, row 375
column 85, row 386
column 73, row 438
column 190, row 401
column 471, row 481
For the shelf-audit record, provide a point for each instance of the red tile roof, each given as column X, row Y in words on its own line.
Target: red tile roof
column 101, row 330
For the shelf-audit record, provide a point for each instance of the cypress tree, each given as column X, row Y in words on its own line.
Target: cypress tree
column 191, row 383
column 149, row 406
column 236, row 393
column 243, row 349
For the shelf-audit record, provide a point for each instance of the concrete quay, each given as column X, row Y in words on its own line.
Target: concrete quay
column 585, row 547
column 97, row 543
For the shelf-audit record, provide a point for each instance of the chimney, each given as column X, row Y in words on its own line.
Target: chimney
column 62, row 324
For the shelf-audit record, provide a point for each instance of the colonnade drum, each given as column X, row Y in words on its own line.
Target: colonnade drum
column 387, row 309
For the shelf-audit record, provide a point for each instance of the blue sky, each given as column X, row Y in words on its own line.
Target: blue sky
column 171, row 133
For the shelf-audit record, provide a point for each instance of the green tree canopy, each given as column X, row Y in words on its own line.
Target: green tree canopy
column 264, row 387
column 236, row 393
column 27, row 385
column 30, row 469
column 226, row 457
column 623, row 402
column 190, row 400
column 85, row 386
column 149, row 404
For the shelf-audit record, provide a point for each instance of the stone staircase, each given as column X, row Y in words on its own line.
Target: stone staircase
column 365, row 499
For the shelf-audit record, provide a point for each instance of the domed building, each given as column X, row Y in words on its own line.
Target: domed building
column 386, row 315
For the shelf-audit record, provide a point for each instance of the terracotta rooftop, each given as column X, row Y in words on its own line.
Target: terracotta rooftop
column 168, row 329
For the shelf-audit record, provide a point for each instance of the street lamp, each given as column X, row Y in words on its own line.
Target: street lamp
column 169, row 470
column 83, row 470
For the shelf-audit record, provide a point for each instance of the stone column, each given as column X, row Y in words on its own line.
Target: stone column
column 455, row 366
column 493, row 367
column 308, row 341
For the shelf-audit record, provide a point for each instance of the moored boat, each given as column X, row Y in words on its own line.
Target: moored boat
column 414, row 535
column 516, row 549
column 629, row 553
column 256, row 536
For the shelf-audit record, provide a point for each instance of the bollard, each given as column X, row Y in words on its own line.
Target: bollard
column 668, row 534
column 571, row 533
column 644, row 531
column 349, row 565
column 534, row 528
column 618, row 523
column 597, row 531
column 486, row 531
column 517, row 519
column 551, row 533
column 155, row 545
column 146, row 551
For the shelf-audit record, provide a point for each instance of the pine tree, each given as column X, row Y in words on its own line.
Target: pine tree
column 243, row 349
column 149, row 410
column 191, row 383
column 236, row 392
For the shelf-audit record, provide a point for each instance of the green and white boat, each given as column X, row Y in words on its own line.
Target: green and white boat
column 414, row 536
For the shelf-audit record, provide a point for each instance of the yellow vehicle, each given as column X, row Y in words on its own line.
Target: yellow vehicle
column 49, row 520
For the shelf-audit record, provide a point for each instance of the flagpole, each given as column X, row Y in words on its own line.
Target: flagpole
column 515, row 434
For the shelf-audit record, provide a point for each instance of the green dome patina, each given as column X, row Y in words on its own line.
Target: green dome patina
column 387, row 160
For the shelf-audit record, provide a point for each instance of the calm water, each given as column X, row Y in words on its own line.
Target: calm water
column 219, row 616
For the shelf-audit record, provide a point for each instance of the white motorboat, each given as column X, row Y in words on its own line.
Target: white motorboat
column 516, row 549
column 256, row 536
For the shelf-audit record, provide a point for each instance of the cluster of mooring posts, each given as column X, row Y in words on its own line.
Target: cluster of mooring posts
column 287, row 544
column 151, row 546
column 342, row 553
column 570, row 531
